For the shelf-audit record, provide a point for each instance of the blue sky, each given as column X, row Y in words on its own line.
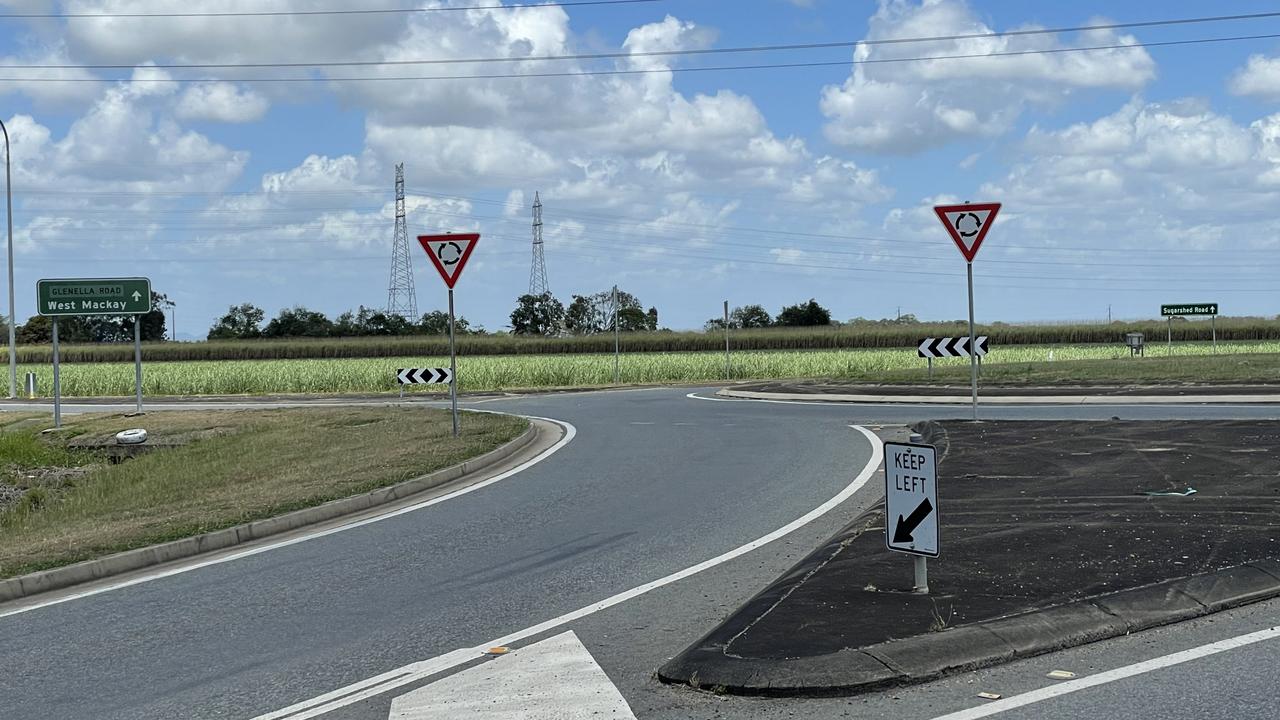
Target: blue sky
column 1130, row 176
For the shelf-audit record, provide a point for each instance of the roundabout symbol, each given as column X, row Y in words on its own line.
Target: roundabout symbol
column 977, row 225
column 456, row 255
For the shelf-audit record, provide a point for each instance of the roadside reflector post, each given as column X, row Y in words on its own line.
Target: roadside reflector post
column 31, row 385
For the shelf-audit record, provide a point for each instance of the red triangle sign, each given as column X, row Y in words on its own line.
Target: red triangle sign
column 968, row 224
column 449, row 253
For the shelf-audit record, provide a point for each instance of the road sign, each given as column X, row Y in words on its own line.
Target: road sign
column 1189, row 309
column 950, row 347
column 911, row 498
column 93, row 296
column 449, row 253
column 968, row 224
column 424, row 376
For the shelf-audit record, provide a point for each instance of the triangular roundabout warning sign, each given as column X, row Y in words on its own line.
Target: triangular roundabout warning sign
column 968, row 224
column 449, row 253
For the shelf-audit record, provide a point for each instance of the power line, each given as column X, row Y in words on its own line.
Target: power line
column 645, row 71
column 841, row 44
column 299, row 13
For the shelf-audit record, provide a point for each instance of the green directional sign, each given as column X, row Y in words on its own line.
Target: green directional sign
column 94, row 296
column 1189, row 309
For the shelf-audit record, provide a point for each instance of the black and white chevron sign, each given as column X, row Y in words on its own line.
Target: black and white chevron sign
column 951, row 347
column 423, row 376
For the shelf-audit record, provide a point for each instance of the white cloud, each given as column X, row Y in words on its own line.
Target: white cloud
column 72, row 86
column 1260, row 77
column 221, row 102
column 905, row 107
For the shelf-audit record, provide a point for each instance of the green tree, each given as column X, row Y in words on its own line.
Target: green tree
column 436, row 322
column 37, row 330
column 749, row 316
column 241, row 322
column 804, row 315
column 298, row 322
column 537, row 315
column 589, row 314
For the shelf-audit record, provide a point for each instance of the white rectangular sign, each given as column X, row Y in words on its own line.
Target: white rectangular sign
column 911, row 498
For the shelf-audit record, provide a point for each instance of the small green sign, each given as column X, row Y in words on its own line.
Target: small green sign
column 1189, row 309
column 94, row 296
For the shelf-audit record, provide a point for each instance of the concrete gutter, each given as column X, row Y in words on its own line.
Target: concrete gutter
column 130, row 560
column 709, row 665
column 996, row 399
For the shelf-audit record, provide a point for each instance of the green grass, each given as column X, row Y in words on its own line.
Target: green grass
column 515, row 372
column 1212, row 369
column 240, row 466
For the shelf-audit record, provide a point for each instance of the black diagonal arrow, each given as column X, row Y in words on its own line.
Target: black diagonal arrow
column 902, row 532
column 982, row 345
column 950, row 347
column 937, row 347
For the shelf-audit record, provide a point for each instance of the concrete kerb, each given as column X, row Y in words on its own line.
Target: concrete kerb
column 996, row 399
column 130, row 560
column 933, row 655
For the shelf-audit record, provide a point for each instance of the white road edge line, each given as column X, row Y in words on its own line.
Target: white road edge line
column 415, row 672
column 570, row 433
column 1109, row 676
column 996, row 406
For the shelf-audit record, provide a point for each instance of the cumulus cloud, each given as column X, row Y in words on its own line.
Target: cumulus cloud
column 221, row 102
column 903, row 107
column 1260, row 77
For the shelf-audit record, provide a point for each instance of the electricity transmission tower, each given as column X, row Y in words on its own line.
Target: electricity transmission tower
column 402, row 300
column 538, row 272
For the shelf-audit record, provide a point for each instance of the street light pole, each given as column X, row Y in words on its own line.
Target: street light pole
column 8, row 198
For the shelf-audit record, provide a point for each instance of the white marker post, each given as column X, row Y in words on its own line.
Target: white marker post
column 727, row 373
column 967, row 225
column 449, row 254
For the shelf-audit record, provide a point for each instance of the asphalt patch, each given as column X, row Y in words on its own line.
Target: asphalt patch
column 1052, row 534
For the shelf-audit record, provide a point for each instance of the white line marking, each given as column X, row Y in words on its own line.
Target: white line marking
column 553, row 679
column 997, row 406
column 570, row 432
column 1121, row 673
column 418, row 671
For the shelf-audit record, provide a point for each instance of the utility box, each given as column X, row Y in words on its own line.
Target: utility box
column 1134, row 341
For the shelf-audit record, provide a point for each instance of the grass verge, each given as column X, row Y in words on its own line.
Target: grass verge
column 236, row 467
column 1203, row 369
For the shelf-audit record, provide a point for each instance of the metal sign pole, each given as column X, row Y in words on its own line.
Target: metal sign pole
column 1170, row 336
column 973, row 355
column 57, row 379
column 137, row 357
column 930, row 368
column 1213, row 324
column 453, row 368
column 726, row 340
column 616, row 352
column 922, row 575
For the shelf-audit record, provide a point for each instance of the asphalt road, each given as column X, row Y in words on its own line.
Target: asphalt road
column 653, row 483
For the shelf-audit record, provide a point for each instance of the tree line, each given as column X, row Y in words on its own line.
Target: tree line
column 586, row 314
column 244, row 322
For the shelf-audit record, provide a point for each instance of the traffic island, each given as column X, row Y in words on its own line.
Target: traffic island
column 1052, row 534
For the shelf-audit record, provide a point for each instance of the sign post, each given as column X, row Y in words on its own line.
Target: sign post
column 968, row 225
column 1171, row 311
column 94, row 296
column 726, row 341
column 449, row 254
column 911, row 504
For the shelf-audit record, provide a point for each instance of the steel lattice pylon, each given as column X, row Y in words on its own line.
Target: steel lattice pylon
column 402, row 299
column 538, row 272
